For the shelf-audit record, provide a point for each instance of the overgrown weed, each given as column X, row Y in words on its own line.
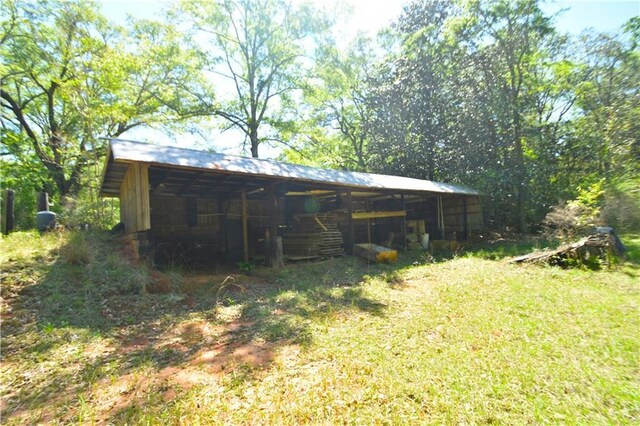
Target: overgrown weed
column 77, row 250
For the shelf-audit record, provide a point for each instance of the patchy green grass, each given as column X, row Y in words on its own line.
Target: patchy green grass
column 501, row 249
column 632, row 244
column 469, row 340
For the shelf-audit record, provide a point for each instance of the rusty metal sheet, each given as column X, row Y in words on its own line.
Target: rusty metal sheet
column 130, row 151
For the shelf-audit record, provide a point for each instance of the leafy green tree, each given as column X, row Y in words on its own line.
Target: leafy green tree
column 482, row 93
column 70, row 77
column 411, row 99
column 517, row 30
column 607, row 131
column 259, row 47
column 604, row 139
column 332, row 131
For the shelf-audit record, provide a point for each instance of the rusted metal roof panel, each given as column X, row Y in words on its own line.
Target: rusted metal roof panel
column 129, row 151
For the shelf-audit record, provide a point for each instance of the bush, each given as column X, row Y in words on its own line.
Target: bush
column 76, row 212
column 575, row 217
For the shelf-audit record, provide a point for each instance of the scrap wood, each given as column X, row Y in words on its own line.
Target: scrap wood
column 593, row 245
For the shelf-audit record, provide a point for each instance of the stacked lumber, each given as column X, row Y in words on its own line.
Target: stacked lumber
column 314, row 235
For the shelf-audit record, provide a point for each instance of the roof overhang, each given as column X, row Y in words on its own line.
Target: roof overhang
column 187, row 172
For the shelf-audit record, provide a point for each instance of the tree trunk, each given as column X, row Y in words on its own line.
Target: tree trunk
column 253, row 137
column 8, row 211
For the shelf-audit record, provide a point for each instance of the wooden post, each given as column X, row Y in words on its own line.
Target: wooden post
column 366, row 208
column 245, row 233
column 465, row 220
column 350, row 231
column 440, row 218
column 8, row 211
column 43, row 202
column 224, row 208
column 274, row 254
column 403, row 222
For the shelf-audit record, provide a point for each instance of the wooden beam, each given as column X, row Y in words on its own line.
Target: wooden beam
column 308, row 193
column 403, row 223
column 245, row 233
column 350, row 231
column 377, row 215
column 274, row 255
column 320, row 223
column 465, row 220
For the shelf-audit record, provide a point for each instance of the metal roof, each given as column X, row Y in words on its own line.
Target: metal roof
column 123, row 152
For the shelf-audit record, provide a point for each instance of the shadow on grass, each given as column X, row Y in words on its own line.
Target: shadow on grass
column 91, row 299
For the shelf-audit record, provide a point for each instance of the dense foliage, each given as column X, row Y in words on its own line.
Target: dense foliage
column 489, row 94
column 485, row 93
column 70, row 77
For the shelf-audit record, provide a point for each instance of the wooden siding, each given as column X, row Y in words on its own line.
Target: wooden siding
column 134, row 199
column 453, row 209
column 170, row 217
column 205, row 227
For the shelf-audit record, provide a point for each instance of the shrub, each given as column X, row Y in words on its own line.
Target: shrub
column 575, row 217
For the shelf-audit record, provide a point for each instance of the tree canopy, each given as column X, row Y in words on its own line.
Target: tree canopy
column 259, row 47
column 482, row 92
column 70, row 77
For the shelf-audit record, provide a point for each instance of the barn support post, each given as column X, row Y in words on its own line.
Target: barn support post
column 465, row 219
column 223, row 217
column 350, row 231
column 274, row 255
column 403, row 222
column 440, row 215
column 245, row 233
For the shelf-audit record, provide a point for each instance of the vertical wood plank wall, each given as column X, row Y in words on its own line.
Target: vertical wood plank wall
column 135, row 211
column 454, row 213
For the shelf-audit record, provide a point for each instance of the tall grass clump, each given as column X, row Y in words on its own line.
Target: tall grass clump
column 77, row 250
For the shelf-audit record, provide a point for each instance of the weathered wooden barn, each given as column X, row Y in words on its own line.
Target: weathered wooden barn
column 195, row 206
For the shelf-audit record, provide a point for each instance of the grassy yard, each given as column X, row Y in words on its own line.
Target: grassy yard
column 466, row 340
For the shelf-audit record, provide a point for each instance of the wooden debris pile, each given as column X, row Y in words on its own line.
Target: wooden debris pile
column 313, row 235
column 590, row 251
